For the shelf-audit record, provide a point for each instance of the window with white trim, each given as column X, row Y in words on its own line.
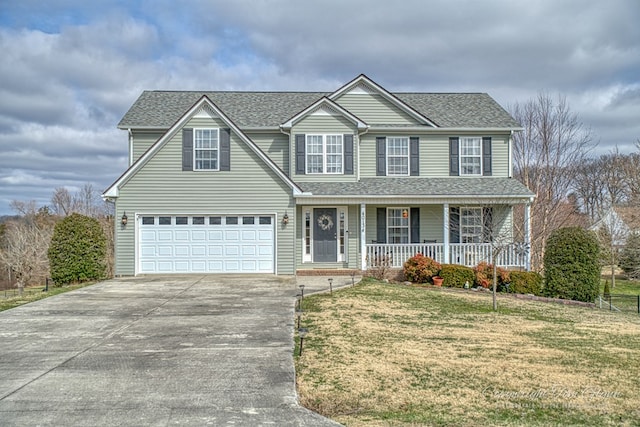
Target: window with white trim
column 206, row 149
column 324, row 154
column 471, row 225
column 397, row 155
column 470, row 156
column 398, row 225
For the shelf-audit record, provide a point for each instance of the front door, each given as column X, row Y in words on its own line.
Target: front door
column 325, row 247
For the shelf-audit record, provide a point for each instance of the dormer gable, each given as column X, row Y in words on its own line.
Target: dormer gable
column 376, row 105
column 324, row 107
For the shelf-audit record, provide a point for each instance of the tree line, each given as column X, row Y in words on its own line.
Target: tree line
column 25, row 239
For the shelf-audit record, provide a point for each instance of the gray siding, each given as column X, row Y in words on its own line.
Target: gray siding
column 375, row 109
column 162, row 187
column 275, row 145
column 319, row 124
column 142, row 141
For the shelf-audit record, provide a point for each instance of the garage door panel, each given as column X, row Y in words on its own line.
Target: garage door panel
column 243, row 246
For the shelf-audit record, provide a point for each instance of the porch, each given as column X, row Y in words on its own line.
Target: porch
column 512, row 255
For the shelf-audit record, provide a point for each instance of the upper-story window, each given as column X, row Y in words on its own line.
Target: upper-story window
column 206, row 149
column 397, row 156
column 324, row 154
column 470, row 156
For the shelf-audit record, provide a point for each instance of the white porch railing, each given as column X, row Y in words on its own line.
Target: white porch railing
column 469, row 254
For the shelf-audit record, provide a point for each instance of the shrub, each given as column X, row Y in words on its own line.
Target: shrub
column 607, row 289
column 571, row 265
column 484, row 275
column 77, row 252
column 420, row 269
column 629, row 260
column 525, row 282
column 456, row 275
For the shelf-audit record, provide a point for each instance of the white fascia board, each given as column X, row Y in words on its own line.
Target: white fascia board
column 113, row 190
column 441, row 129
column 324, row 100
column 385, row 93
column 496, row 198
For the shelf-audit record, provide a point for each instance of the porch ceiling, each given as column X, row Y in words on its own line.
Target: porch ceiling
column 490, row 190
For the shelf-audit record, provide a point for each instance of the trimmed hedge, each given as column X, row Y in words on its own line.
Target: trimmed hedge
column 420, row 269
column 571, row 265
column 78, row 249
column 525, row 282
column 455, row 275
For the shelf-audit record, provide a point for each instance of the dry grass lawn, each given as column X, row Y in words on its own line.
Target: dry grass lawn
column 381, row 354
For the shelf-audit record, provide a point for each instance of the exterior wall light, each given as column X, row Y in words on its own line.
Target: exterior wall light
column 405, row 213
column 124, row 219
column 285, row 219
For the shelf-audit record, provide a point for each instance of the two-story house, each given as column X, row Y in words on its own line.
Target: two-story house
column 279, row 182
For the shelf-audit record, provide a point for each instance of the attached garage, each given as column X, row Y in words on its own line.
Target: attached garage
column 206, row 244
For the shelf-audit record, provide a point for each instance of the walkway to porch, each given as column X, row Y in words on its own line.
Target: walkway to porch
column 513, row 255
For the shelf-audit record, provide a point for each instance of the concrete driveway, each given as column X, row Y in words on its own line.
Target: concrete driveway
column 154, row 351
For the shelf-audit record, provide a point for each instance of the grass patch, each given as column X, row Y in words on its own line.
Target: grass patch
column 37, row 293
column 623, row 286
column 381, row 354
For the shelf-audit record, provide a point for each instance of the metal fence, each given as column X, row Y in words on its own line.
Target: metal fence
column 618, row 302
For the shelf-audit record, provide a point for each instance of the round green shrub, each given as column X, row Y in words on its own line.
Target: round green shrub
column 456, row 276
column 420, row 269
column 629, row 260
column 78, row 249
column 571, row 265
column 525, row 282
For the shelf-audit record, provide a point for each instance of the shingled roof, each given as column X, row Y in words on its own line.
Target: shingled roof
column 161, row 109
column 496, row 188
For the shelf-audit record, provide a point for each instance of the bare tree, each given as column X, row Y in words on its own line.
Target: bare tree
column 553, row 140
column 86, row 201
column 24, row 248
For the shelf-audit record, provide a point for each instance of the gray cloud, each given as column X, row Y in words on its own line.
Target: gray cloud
column 71, row 69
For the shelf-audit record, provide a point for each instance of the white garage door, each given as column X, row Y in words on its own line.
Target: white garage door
column 206, row 244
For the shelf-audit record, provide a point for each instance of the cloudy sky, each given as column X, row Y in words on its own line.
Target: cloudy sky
column 71, row 68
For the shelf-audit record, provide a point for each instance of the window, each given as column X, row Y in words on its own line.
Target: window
column 215, row 220
column 182, row 220
column 206, row 148
column 148, row 220
column 471, row 225
column 164, row 220
column 397, row 156
column 265, row 220
column 231, row 220
column 470, row 156
column 398, row 225
column 198, row 220
column 324, row 154
column 248, row 220
column 307, row 233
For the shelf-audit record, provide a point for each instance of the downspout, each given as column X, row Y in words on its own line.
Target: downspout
column 130, row 146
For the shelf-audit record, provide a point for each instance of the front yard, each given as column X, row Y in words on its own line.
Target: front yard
column 381, row 354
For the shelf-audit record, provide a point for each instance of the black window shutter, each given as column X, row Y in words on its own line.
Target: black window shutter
column 300, row 154
column 225, row 149
column 381, row 156
column 454, row 225
column 348, row 154
column 454, row 168
column 486, row 156
column 414, row 156
column 487, row 225
column 187, row 149
column 381, row 225
column 415, row 225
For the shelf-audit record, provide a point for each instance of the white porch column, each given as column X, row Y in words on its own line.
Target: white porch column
column 527, row 235
column 445, row 232
column 363, row 237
